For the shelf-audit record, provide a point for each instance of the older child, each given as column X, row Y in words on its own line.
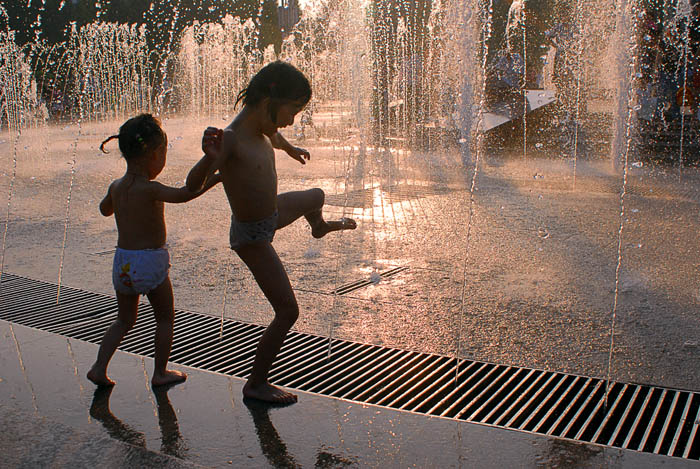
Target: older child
column 246, row 161
column 141, row 260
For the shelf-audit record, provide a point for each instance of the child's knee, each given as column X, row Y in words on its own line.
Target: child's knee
column 126, row 323
column 164, row 316
column 288, row 314
column 319, row 197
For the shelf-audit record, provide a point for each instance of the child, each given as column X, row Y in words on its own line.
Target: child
column 141, row 260
column 245, row 159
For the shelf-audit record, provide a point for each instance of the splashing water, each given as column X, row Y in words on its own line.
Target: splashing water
column 81, row 99
column 66, row 221
column 486, row 33
column 75, row 373
column 148, row 388
column 24, row 370
column 9, row 202
column 623, row 192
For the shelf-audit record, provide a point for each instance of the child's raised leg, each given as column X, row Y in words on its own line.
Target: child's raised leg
column 161, row 299
column 269, row 273
column 126, row 318
column 309, row 204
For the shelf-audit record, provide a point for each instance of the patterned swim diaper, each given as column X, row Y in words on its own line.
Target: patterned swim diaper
column 137, row 272
column 243, row 233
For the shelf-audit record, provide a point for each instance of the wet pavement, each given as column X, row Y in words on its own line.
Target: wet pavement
column 529, row 266
column 56, row 418
column 531, row 279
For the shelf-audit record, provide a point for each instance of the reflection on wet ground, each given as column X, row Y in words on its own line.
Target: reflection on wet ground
column 171, row 440
column 275, row 450
column 205, row 421
column 99, row 410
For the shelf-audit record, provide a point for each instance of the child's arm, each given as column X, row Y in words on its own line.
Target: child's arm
column 208, row 164
column 106, row 206
column 176, row 195
column 200, row 173
column 299, row 154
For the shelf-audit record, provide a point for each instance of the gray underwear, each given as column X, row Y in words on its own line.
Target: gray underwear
column 243, row 233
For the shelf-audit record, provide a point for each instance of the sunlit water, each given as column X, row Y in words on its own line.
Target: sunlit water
column 568, row 250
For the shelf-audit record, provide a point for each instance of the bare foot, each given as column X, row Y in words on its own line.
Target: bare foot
column 99, row 377
column 169, row 377
column 325, row 227
column 268, row 393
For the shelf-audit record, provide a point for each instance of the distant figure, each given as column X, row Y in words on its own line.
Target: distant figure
column 244, row 155
column 141, row 260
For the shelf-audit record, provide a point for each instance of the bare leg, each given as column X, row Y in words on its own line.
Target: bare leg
column 309, row 204
column 263, row 262
column 126, row 318
column 161, row 298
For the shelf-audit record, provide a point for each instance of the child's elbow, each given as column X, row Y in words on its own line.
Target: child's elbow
column 191, row 186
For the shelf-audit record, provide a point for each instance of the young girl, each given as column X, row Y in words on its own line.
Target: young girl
column 246, row 160
column 141, row 261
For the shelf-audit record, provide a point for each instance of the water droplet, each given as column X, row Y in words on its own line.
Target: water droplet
column 635, row 210
column 543, row 233
column 538, row 145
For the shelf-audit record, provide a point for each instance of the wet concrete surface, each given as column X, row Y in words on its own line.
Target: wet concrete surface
column 531, row 279
column 54, row 417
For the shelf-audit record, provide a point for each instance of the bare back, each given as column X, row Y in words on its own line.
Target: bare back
column 249, row 175
column 140, row 217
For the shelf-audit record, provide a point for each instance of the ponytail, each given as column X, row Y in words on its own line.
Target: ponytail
column 102, row 146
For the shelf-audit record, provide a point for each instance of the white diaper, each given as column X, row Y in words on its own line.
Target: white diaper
column 137, row 272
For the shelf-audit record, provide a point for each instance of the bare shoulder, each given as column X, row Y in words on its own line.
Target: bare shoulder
column 152, row 188
column 232, row 144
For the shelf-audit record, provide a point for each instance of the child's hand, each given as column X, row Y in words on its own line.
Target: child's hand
column 211, row 141
column 298, row 154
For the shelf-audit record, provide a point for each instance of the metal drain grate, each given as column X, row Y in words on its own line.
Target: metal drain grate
column 637, row 417
column 349, row 287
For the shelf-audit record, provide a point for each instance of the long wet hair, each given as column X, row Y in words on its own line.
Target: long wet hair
column 139, row 136
column 281, row 82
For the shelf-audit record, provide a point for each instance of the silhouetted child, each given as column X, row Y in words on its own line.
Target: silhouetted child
column 245, row 158
column 141, row 260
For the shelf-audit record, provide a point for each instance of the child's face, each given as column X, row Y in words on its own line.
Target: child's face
column 286, row 113
column 157, row 163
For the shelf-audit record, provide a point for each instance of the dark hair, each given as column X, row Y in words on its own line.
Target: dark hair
column 138, row 136
column 280, row 81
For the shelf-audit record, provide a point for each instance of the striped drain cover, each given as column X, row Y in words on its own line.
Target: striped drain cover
column 637, row 417
column 350, row 287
